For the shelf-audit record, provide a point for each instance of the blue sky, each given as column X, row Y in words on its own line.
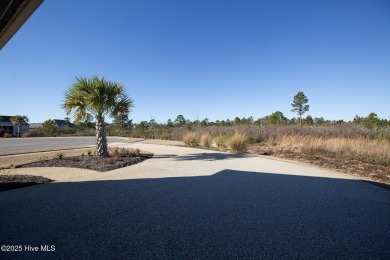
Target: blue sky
column 204, row 58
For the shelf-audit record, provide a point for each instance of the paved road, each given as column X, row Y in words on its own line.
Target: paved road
column 191, row 203
column 17, row 144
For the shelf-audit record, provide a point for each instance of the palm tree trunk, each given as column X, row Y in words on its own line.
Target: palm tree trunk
column 101, row 140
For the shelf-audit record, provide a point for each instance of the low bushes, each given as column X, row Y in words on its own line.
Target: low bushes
column 190, row 139
column 124, row 152
column 59, row 156
column 362, row 149
column 219, row 142
column 237, row 142
column 206, row 140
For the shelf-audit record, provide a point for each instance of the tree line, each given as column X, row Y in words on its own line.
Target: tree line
column 274, row 118
column 122, row 123
column 95, row 98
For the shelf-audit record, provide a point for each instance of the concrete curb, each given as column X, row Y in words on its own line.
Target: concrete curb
column 20, row 152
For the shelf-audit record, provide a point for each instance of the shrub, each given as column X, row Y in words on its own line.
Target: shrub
column 89, row 152
column 124, row 152
column 206, row 140
column 59, row 155
column 219, row 142
column 32, row 133
column 137, row 151
column 238, row 142
column 115, row 151
column 48, row 128
column 26, row 134
column 190, row 139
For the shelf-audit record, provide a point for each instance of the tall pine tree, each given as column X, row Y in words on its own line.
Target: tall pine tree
column 299, row 105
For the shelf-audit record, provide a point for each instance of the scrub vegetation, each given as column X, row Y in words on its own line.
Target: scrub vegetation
column 360, row 146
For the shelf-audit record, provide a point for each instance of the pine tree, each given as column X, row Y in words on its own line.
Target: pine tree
column 299, row 105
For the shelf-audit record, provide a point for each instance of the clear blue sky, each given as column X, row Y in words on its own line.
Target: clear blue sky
column 204, row 58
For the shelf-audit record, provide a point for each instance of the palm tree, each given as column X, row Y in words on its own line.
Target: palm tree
column 97, row 97
column 19, row 119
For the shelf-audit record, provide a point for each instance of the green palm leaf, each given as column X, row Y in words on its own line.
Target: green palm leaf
column 97, row 97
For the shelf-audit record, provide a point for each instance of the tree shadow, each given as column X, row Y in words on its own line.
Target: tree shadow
column 231, row 214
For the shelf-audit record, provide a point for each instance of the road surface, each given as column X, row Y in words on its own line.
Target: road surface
column 190, row 203
column 22, row 144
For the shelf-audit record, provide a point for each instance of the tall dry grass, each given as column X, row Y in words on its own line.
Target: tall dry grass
column 262, row 133
column 376, row 151
column 206, row 140
column 219, row 142
column 191, row 139
column 346, row 139
column 237, row 142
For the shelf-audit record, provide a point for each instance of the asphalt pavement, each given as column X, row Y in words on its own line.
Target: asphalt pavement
column 190, row 203
column 36, row 143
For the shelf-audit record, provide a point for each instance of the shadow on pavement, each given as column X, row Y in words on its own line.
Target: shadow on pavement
column 231, row 214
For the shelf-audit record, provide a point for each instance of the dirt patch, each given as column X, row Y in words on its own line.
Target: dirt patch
column 370, row 171
column 9, row 182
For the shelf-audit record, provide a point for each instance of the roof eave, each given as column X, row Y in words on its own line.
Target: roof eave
column 24, row 11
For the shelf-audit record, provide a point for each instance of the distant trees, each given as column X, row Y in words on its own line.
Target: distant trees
column 180, row 120
column 142, row 126
column 237, row 120
column 19, row 119
column 276, row 118
column 180, row 124
column 48, row 128
column 299, row 105
column 170, row 123
column 308, row 120
column 204, row 122
column 122, row 122
column 371, row 121
column 319, row 120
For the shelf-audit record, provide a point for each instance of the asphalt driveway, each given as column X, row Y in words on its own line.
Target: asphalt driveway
column 191, row 203
column 36, row 143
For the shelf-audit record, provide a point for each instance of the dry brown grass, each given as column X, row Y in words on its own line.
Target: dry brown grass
column 262, row 133
column 237, row 142
column 219, row 142
column 347, row 147
column 206, row 140
column 376, row 151
column 356, row 156
column 191, row 139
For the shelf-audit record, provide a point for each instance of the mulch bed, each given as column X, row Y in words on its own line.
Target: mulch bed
column 91, row 162
column 14, row 181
